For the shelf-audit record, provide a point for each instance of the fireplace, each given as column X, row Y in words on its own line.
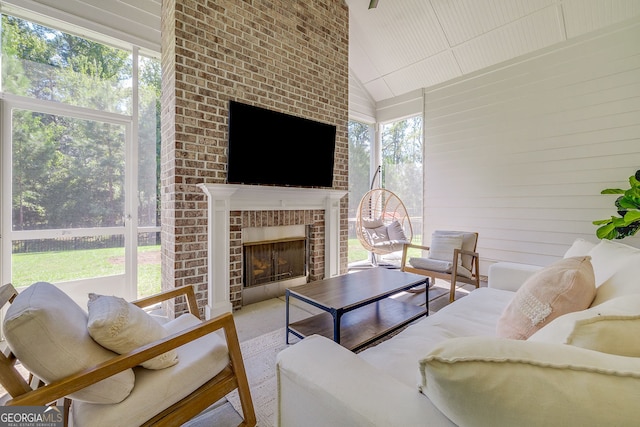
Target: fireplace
column 233, row 210
column 273, row 259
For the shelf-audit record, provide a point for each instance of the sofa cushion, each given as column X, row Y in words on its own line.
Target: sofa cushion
column 488, row 381
column 475, row 314
column 200, row 360
column 607, row 257
column 624, row 282
column 565, row 286
column 47, row 332
column 606, row 328
column 122, row 327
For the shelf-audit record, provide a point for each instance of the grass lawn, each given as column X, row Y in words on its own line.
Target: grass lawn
column 63, row 266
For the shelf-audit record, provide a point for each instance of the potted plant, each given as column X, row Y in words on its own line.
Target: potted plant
column 628, row 204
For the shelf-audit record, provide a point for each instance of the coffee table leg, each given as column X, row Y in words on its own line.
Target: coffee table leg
column 336, row 325
column 286, row 298
column 426, row 294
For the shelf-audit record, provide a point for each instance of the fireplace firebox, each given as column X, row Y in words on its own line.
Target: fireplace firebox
column 273, row 261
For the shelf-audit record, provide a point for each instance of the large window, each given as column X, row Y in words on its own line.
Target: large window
column 402, row 170
column 80, row 147
column 360, row 161
column 398, row 155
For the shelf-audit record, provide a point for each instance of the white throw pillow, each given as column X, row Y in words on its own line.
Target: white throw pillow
column 608, row 257
column 469, row 242
column 625, row 281
column 442, row 246
column 493, row 382
column 611, row 327
column 579, row 247
column 122, row 327
column 47, row 331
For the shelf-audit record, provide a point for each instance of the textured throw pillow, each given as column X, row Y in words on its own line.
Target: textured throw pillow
column 395, row 232
column 47, row 331
column 122, row 327
column 565, row 286
column 611, row 327
column 442, row 246
column 493, row 382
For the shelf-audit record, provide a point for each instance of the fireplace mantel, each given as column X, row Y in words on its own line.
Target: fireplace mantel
column 224, row 198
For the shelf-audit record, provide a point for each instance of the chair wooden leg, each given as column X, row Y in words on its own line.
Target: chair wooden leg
column 243, row 384
column 452, row 292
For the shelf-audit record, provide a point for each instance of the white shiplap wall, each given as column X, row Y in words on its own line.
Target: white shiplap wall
column 521, row 152
column 361, row 106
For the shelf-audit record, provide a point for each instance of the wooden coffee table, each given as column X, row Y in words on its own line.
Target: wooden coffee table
column 357, row 305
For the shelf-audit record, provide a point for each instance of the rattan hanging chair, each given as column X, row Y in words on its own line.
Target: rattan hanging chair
column 383, row 225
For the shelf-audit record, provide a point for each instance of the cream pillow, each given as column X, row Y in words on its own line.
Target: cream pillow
column 611, row 327
column 625, row 281
column 565, row 286
column 493, row 382
column 579, row 247
column 442, row 246
column 122, row 327
column 608, row 257
column 47, row 331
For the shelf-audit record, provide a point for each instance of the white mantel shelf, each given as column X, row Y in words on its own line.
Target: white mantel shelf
column 224, row 198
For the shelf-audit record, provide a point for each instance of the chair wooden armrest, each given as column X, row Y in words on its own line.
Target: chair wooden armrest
column 186, row 291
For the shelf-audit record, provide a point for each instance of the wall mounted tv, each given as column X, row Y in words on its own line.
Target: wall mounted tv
column 268, row 147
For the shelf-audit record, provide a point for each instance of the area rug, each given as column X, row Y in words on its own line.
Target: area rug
column 259, row 355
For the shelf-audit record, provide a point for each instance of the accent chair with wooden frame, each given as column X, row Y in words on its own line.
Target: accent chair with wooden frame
column 162, row 397
column 452, row 257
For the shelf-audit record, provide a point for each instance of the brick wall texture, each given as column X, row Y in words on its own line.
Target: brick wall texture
column 286, row 55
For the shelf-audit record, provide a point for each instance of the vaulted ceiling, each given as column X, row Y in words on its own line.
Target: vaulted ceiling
column 403, row 45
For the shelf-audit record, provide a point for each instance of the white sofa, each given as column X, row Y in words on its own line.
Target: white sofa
column 451, row 369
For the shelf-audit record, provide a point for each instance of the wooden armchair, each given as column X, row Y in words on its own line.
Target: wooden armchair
column 452, row 257
column 220, row 368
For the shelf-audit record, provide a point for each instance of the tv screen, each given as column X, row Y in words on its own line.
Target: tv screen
column 268, row 147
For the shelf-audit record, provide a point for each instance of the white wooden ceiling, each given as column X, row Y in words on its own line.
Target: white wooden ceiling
column 403, row 45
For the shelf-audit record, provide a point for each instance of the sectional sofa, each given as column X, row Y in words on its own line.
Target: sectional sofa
column 552, row 346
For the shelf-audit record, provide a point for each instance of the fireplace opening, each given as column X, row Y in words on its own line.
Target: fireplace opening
column 273, row 261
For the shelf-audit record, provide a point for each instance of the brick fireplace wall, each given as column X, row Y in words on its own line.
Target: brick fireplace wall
column 286, row 55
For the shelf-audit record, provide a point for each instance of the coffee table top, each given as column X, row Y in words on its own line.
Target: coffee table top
column 347, row 290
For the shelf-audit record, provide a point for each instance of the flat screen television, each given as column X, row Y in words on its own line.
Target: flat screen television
column 268, row 147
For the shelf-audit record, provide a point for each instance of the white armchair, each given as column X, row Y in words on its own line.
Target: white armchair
column 48, row 333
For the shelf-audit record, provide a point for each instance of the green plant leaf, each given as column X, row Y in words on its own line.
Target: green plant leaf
column 612, row 191
column 606, row 232
column 627, row 203
column 631, row 217
column 601, row 221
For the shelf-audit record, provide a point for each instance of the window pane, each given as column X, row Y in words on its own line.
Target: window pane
column 67, row 172
column 65, row 259
column 402, row 166
column 44, row 63
column 148, row 264
column 149, row 143
column 359, row 166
